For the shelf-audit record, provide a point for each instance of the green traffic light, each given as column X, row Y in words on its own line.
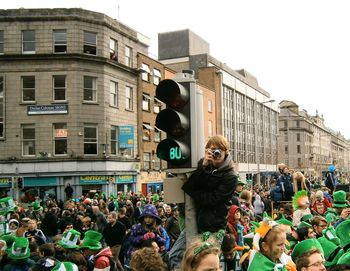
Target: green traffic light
column 173, row 151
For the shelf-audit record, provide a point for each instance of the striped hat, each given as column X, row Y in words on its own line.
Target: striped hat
column 4, row 228
column 65, row 266
column 7, row 205
column 70, row 239
column 19, row 249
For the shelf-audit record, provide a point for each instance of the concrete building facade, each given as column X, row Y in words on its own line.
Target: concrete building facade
column 68, row 94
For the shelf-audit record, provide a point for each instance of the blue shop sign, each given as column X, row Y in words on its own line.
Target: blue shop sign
column 126, row 136
column 125, row 179
column 5, row 181
column 40, row 181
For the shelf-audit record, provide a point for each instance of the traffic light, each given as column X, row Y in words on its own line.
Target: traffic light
column 20, row 183
column 175, row 120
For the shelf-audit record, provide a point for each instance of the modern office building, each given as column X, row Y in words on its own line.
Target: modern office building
column 68, row 96
column 246, row 114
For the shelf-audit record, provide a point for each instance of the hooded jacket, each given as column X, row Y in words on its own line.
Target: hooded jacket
column 212, row 190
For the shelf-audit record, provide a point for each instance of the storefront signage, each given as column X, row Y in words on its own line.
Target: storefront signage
column 125, row 179
column 126, row 136
column 153, row 176
column 40, row 181
column 5, row 182
column 47, row 109
column 96, row 179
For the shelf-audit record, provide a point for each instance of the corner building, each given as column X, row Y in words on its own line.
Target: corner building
column 68, row 102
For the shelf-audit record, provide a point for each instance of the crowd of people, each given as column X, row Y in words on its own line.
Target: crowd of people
column 290, row 226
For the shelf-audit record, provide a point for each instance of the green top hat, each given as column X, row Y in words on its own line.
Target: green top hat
column 8, row 238
column 19, row 249
column 70, row 239
column 343, row 232
column 339, row 199
column 307, row 218
column 112, row 196
column 36, row 206
column 65, row 266
column 330, row 234
column 284, row 221
column 305, row 246
column 304, row 224
column 92, row 240
column 332, row 252
column 7, row 205
column 345, row 258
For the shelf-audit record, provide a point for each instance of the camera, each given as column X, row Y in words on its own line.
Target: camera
column 216, row 153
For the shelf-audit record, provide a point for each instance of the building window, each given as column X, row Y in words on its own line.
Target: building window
column 156, row 163
column 298, row 149
column 1, row 41
column 60, row 137
column 285, row 124
column 28, row 140
column 286, row 149
column 297, row 123
column 210, row 128
column 2, row 106
column 157, row 135
column 90, row 139
column 114, row 140
column 146, row 160
column 299, row 162
column 128, row 98
column 145, row 72
column 113, row 90
column 156, row 76
column 146, row 132
column 113, row 49
column 90, row 89
column 298, row 137
column 90, row 41
column 210, row 106
column 286, row 137
column 60, row 41
column 128, row 56
column 146, row 102
column 157, row 105
column 59, row 88
column 28, row 89
column 28, row 41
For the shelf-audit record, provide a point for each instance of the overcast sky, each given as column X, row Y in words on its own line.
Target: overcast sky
column 298, row 50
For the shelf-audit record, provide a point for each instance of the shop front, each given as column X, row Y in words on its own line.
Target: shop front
column 125, row 183
column 152, row 182
column 92, row 184
column 43, row 187
column 5, row 186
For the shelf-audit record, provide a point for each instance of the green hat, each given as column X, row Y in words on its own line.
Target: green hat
column 70, row 239
column 305, row 246
column 332, row 252
column 19, row 249
column 8, row 238
column 330, row 234
column 92, row 240
column 304, row 224
column 4, row 228
column 284, row 221
column 112, row 196
column 339, row 199
column 7, row 205
column 241, row 182
column 36, row 206
column 343, row 232
column 306, row 218
column 345, row 258
column 65, row 266
column 155, row 197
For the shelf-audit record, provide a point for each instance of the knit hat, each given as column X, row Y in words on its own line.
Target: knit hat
column 305, row 246
column 330, row 234
column 92, row 240
column 339, row 199
column 36, row 206
column 332, row 252
column 19, row 249
column 7, row 205
column 65, row 266
column 70, row 239
column 343, row 232
column 228, row 243
column 150, row 210
column 345, row 258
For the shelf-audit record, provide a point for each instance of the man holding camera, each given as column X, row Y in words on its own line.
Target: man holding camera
column 212, row 185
